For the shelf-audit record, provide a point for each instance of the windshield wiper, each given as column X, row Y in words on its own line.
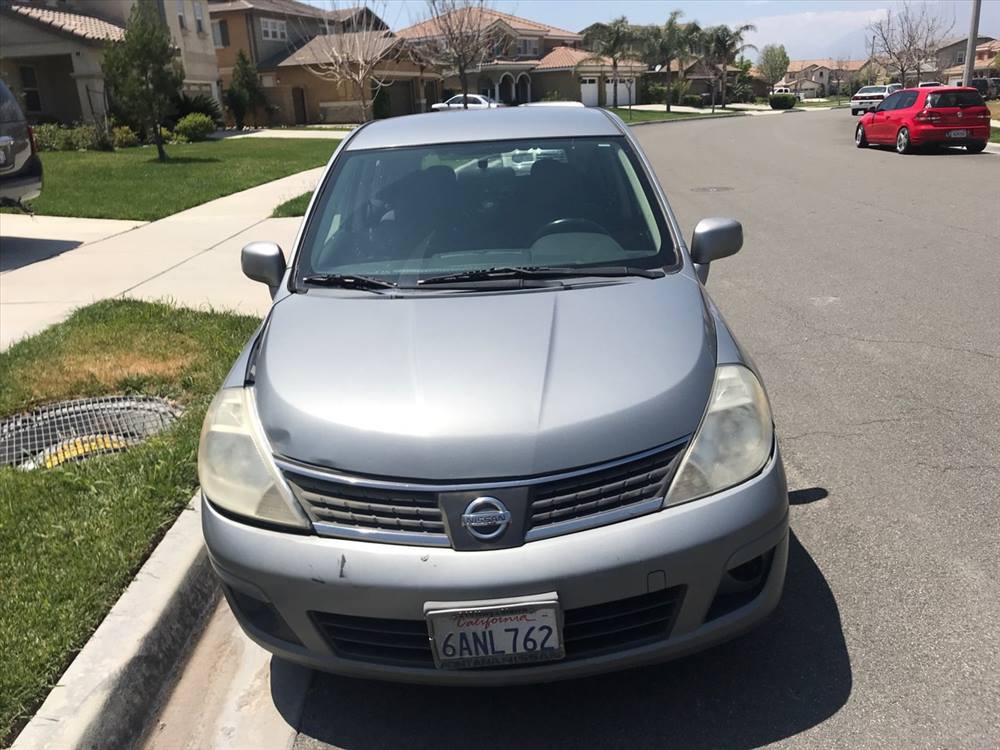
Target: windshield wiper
column 348, row 281
column 539, row 272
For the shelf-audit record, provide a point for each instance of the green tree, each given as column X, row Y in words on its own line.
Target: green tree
column 244, row 94
column 142, row 72
column 661, row 45
column 721, row 46
column 614, row 41
column 773, row 64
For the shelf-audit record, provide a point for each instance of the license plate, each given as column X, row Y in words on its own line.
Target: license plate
column 957, row 133
column 494, row 634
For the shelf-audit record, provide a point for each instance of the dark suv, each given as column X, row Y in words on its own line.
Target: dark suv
column 20, row 167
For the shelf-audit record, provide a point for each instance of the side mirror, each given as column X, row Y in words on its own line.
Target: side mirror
column 264, row 262
column 873, row 109
column 714, row 239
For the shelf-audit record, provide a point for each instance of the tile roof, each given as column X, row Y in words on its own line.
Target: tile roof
column 318, row 49
column 283, row 7
column 797, row 66
column 77, row 24
column 570, row 57
column 485, row 17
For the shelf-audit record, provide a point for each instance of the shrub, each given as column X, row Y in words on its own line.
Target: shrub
column 83, row 137
column 783, row 101
column 195, row 126
column 202, row 103
column 124, row 137
column 691, row 100
column 52, row 137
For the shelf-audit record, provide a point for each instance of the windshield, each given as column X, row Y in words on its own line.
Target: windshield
column 406, row 214
column 872, row 90
column 955, row 99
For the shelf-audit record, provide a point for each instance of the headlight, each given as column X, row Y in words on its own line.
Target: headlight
column 733, row 442
column 234, row 466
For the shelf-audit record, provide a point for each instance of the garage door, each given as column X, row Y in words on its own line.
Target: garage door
column 588, row 92
column 626, row 91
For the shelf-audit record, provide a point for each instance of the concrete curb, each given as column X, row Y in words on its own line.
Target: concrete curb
column 686, row 119
column 112, row 689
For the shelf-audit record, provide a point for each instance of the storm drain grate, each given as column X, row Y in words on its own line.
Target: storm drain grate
column 74, row 430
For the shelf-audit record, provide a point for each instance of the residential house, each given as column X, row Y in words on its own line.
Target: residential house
column 532, row 61
column 982, row 67
column 699, row 76
column 51, row 52
column 291, row 44
column 819, row 78
column 952, row 52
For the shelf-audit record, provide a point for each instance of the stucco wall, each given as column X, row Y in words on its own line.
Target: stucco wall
column 564, row 85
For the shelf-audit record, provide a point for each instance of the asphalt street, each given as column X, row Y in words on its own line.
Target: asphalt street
column 868, row 293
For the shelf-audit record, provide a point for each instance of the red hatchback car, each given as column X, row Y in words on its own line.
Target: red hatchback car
column 938, row 116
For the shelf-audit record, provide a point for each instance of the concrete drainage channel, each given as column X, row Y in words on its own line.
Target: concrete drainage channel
column 113, row 688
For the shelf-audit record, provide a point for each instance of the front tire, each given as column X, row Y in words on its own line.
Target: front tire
column 975, row 148
column 855, row 112
column 860, row 139
column 903, row 141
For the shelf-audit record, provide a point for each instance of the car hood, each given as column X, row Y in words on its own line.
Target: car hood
column 484, row 385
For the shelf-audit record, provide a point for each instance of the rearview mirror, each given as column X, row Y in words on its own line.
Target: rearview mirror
column 264, row 262
column 713, row 239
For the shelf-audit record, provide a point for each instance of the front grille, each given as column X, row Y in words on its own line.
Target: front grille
column 366, row 507
column 609, row 489
column 587, row 631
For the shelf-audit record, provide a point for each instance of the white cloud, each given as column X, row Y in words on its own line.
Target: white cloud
column 811, row 34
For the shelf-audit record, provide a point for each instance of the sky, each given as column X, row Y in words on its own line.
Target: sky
column 808, row 28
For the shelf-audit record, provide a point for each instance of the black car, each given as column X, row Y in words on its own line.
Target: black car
column 20, row 166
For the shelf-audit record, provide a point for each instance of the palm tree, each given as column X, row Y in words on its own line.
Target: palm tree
column 672, row 41
column 612, row 40
column 722, row 45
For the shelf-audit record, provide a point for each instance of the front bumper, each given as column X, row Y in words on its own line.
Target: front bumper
column 690, row 546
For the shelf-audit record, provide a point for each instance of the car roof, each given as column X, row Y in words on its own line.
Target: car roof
column 510, row 123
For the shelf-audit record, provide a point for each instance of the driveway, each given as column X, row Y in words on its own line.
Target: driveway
column 867, row 293
column 53, row 265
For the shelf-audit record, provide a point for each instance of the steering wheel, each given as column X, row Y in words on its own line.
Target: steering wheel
column 569, row 226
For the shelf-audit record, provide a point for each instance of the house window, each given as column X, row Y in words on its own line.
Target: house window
column 273, row 29
column 180, row 14
column 220, row 34
column 29, row 88
column 527, row 47
column 960, row 57
column 199, row 18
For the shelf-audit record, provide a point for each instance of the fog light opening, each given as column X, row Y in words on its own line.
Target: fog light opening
column 261, row 615
column 740, row 585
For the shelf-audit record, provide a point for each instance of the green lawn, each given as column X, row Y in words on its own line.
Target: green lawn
column 642, row 115
column 132, row 184
column 71, row 538
column 995, row 134
column 294, row 207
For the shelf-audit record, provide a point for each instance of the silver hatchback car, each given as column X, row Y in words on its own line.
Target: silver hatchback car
column 493, row 430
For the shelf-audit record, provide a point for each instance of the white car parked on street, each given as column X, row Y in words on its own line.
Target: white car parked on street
column 475, row 101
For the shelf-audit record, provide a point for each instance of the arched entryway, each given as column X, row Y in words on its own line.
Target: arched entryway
column 523, row 88
column 505, row 89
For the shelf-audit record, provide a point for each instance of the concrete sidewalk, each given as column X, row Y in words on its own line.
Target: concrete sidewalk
column 191, row 258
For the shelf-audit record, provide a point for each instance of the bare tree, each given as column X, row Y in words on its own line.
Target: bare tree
column 907, row 36
column 353, row 58
column 837, row 77
column 462, row 37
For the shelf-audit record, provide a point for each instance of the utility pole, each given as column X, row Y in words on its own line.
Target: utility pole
column 970, row 45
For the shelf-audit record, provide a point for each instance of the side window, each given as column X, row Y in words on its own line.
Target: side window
column 907, row 100
column 889, row 103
